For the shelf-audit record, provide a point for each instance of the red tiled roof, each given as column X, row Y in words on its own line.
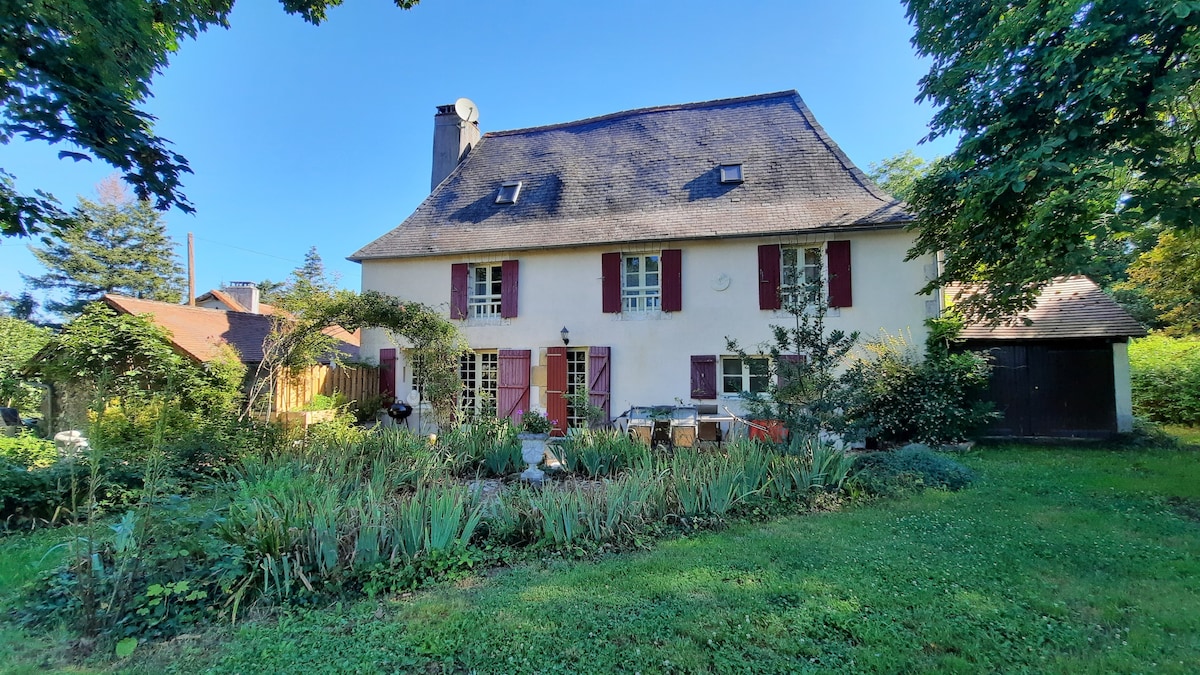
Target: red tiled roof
column 197, row 331
column 1069, row 307
column 235, row 306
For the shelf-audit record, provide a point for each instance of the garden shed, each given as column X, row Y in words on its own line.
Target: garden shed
column 1061, row 369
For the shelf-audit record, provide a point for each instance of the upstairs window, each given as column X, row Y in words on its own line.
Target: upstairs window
column 731, row 173
column 484, row 290
column 484, row 294
column 799, row 267
column 641, row 283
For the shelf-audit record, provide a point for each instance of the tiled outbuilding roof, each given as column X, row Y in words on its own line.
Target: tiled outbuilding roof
column 646, row 175
column 1069, row 307
column 197, row 331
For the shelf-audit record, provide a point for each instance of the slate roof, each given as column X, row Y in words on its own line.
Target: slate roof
column 1069, row 307
column 196, row 331
column 646, row 175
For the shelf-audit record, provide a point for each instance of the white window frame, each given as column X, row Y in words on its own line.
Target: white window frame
column 745, row 375
column 639, row 294
column 485, row 304
column 577, row 383
column 480, row 374
column 805, row 266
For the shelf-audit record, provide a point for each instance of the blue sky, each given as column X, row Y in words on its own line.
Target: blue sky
column 303, row 136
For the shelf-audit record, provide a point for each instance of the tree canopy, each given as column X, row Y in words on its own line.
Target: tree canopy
column 77, row 72
column 898, row 173
column 114, row 245
column 1078, row 122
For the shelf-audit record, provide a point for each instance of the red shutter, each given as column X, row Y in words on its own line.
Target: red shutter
column 780, row 380
column 387, row 372
column 672, row 280
column 509, row 272
column 599, row 384
column 704, row 377
column 458, row 290
column 556, row 388
column 838, row 253
column 768, row 276
column 512, row 386
column 610, row 271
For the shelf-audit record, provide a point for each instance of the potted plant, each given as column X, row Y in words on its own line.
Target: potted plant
column 533, row 433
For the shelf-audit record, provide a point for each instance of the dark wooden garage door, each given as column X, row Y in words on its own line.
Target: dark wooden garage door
column 1053, row 389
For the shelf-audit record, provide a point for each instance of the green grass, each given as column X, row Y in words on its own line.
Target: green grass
column 1058, row 560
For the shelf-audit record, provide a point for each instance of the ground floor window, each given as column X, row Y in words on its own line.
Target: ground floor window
column 479, row 372
column 751, row 375
column 577, row 389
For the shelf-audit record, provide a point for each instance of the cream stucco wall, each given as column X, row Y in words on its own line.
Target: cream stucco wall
column 1123, row 386
column 650, row 362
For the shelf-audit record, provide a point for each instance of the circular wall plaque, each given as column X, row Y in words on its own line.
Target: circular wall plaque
column 721, row 282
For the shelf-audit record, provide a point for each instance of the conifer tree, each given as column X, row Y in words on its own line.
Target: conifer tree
column 115, row 245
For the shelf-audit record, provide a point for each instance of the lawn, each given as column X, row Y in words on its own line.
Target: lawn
column 1057, row 560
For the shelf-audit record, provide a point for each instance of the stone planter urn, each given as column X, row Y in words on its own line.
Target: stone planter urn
column 533, row 451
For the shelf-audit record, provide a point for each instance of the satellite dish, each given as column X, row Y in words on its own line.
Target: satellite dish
column 466, row 109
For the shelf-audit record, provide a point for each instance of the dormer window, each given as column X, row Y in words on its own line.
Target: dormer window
column 731, row 173
column 509, row 191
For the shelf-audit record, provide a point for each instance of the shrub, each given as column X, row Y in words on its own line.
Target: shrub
column 892, row 473
column 901, row 397
column 1165, row 375
column 28, row 451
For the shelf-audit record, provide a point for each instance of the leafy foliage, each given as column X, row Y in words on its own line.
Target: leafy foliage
column 132, row 358
column 898, row 173
column 77, row 72
column 1168, row 276
column 113, row 246
column 302, row 339
column 1078, row 122
column 1165, row 375
column 19, row 341
column 901, row 397
column 28, row 450
column 908, row 469
column 806, row 390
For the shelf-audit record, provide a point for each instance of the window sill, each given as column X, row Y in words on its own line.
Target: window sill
column 830, row 312
column 644, row 315
column 485, row 321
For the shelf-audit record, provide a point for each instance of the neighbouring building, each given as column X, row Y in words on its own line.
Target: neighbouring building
column 1061, row 369
column 614, row 256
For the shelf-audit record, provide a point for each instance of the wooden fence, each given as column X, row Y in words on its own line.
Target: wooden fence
column 356, row 383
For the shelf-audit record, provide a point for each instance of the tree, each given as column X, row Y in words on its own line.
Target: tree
column 115, row 245
column 1079, row 124
column 78, row 71
column 805, row 389
column 1168, row 275
column 308, row 283
column 19, row 341
column 897, row 174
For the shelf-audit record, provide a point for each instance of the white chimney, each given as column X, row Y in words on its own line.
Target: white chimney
column 455, row 132
column 246, row 293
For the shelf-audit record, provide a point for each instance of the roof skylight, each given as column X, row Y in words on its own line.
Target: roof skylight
column 731, row 173
column 509, row 191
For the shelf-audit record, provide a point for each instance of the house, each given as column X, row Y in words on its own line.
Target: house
column 1061, row 369
column 198, row 333
column 611, row 257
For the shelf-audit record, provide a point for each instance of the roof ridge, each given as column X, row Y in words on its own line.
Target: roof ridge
column 642, row 111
